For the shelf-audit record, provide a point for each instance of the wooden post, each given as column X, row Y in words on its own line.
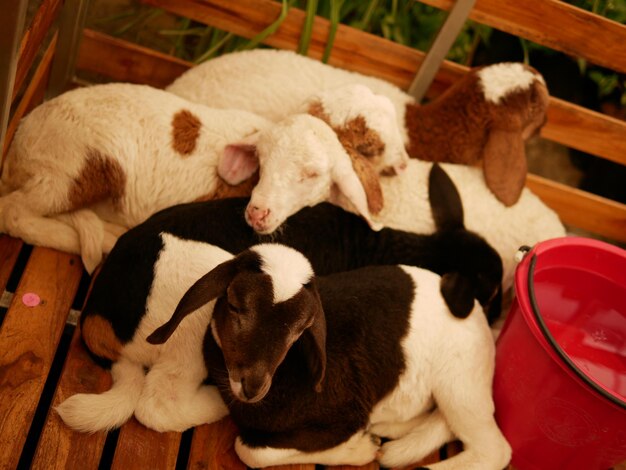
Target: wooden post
column 440, row 47
column 70, row 33
column 11, row 26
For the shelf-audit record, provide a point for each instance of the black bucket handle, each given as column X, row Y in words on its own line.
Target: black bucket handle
column 555, row 345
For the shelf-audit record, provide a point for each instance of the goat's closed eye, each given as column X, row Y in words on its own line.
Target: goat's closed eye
column 233, row 308
column 308, row 174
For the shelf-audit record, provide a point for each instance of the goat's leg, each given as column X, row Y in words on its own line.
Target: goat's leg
column 360, row 449
column 101, row 412
column 42, row 195
column 425, row 422
column 469, row 411
column 23, row 211
column 20, row 222
column 414, row 439
column 80, row 232
column 174, row 399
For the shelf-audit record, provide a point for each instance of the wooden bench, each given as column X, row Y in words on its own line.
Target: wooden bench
column 42, row 360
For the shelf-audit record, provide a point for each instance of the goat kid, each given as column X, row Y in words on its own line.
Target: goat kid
column 278, row 194
column 312, row 367
column 119, row 152
column 154, row 263
column 483, row 119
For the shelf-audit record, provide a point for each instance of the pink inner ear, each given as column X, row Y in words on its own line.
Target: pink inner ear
column 238, row 163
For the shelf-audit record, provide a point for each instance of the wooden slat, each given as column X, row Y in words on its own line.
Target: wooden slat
column 212, row 447
column 33, row 94
column 372, row 55
column 28, row 340
column 140, row 447
column 582, row 209
column 292, row 467
column 431, row 458
column 127, row 62
column 594, row 132
column 9, row 250
column 33, row 39
column 554, row 24
column 369, row 466
column 59, row 446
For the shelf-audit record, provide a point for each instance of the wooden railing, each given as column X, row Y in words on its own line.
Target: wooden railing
column 555, row 24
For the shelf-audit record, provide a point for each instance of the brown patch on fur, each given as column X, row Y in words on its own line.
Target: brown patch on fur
column 100, row 338
column 101, row 178
column 225, row 190
column 185, row 132
column 364, row 147
column 316, row 109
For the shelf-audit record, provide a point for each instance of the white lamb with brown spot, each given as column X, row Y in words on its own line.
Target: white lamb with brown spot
column 104, row 158
column 407, row 206
column 481, row 120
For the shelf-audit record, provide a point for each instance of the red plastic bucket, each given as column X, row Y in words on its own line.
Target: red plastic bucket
column 560, row 380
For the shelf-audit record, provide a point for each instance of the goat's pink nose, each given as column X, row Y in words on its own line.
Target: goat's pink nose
column 256, row 214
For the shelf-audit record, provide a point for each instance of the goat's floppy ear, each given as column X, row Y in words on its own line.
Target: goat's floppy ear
column 445, row 201
column 458, row 292
column 346, row 181
column 239, row 160
column 205, row 289
column 370, row 180
column 504, row 165
column 313, row 343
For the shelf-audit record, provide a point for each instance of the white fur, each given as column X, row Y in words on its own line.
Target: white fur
column 499, row 80
column 170, row 397
column 132, row 125
column 527, row 222
column 360, row 449
column 225, row 82
column 288, row 269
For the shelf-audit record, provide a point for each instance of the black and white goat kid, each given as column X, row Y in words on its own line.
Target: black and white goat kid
column 312, row 368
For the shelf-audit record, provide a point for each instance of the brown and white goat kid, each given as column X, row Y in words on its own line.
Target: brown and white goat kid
column 312, row 368
column 120, row 152
column 483, row 119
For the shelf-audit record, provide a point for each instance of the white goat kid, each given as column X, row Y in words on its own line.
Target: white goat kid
column 119, row 152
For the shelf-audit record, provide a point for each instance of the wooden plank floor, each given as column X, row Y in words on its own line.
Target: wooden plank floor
column 43, row 361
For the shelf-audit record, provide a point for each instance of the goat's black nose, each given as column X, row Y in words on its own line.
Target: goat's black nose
column 246, row 392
